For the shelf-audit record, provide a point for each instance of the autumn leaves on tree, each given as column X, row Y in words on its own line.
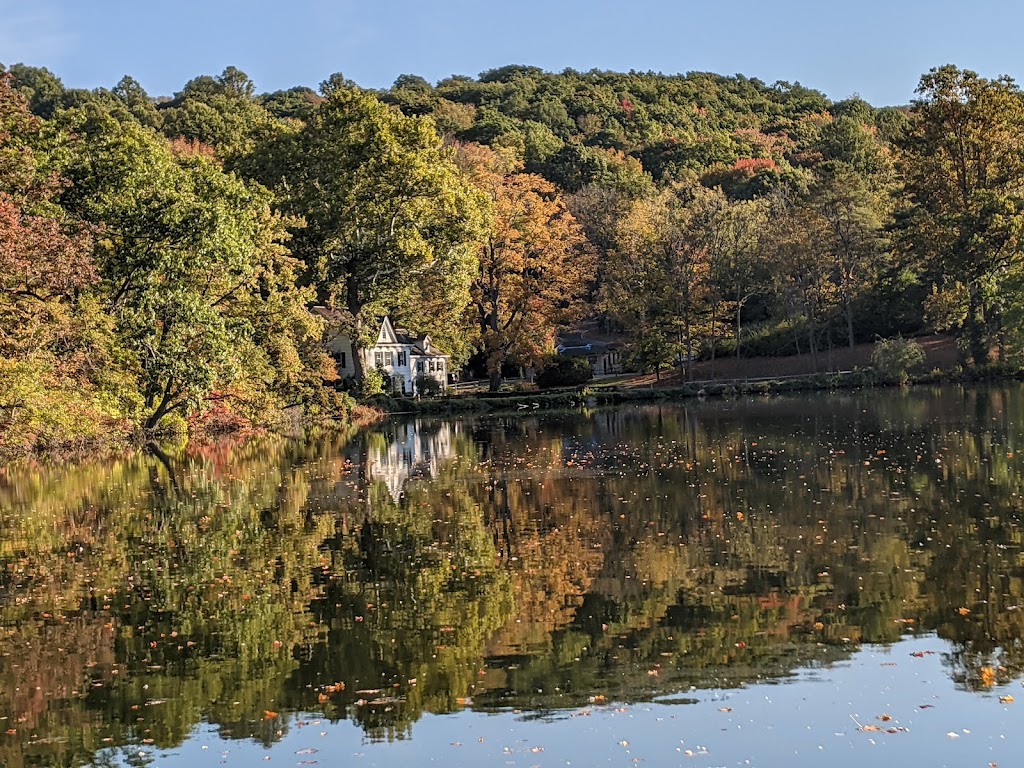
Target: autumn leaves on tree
column 158, row 258
column 534, row 265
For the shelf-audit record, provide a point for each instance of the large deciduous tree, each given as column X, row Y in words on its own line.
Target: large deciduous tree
column 964, row 166
column 54, row 344
column 535, row 265
column 385, row 207
column 189, row 256
column 664, row 257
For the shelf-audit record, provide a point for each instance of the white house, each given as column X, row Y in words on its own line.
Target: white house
column 403, row 357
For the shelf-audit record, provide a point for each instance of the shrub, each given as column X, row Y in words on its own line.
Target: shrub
column 561, row 371
column 373, row 383
column 383, row 402
column 428, row 385
column 893, row 359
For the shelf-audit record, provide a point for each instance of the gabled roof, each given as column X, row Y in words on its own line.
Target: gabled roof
column 388, row 334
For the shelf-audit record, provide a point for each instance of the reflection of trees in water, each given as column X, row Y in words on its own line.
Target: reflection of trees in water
column 622, row 552
column 803, row 517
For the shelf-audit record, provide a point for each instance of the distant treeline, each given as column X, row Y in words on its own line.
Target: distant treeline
column 158, row 256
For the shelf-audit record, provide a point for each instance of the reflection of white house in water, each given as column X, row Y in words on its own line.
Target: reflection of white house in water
column 412, row 451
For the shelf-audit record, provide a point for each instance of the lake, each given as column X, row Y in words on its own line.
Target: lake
column 827, row 579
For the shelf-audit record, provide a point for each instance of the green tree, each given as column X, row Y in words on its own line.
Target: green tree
column 185, row 252
column 665, row 244
column 134, row 97
column 963, row 161
column 382, row 200
column 854, row 214
column 220, row 112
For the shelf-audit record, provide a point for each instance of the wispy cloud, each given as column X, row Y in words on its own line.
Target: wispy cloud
column 37, row 34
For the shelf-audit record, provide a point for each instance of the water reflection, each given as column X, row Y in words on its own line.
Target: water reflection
column 534, row 563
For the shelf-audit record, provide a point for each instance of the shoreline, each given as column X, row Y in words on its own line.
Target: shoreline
column 524, row 403
column 382, row 407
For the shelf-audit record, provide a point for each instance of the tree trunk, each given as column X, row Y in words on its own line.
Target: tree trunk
column 714, row 335
column 355, row 307
column 975, row 327
column 849, row 322
column 739, row 318
column 796, row 335
column 812, row 332
column 495, row 352
column 161, row 409
column 689, row 350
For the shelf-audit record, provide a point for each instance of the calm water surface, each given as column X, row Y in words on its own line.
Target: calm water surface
column 813, row 580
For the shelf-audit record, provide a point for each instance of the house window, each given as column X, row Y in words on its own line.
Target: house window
column 401, row 358
column 341, row 359
column 419, row 367
column 390, row 357
column 378, row 359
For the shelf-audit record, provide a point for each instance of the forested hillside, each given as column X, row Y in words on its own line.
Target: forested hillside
column 159, row 254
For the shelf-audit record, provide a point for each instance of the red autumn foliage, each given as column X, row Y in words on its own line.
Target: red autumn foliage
column 37, row 258
column 751, row 166
column 183, row 147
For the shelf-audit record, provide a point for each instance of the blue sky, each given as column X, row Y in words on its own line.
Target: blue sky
column 876, row 48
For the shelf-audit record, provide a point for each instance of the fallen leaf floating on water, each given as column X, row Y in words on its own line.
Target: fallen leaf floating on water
column 964, row 611
column 1008, row 699
column 725, row 709
column 269, row 714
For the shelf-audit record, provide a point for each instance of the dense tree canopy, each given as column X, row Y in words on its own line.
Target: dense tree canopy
column 964, row 162
column 534, row 265
column 160, row 254
column 382, row 202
